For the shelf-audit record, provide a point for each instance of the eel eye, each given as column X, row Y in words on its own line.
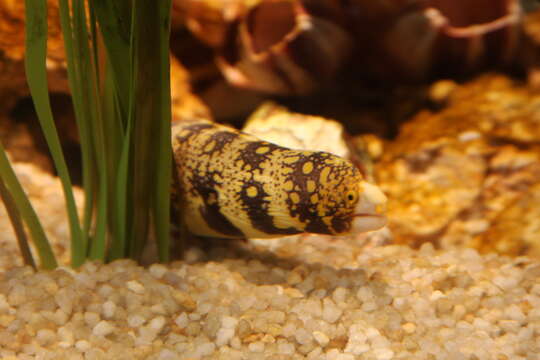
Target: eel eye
column 351, row 197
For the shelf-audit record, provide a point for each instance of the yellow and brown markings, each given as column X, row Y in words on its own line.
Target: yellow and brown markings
column 234, row 185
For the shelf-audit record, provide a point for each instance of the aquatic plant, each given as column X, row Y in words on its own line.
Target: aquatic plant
column 118, row 69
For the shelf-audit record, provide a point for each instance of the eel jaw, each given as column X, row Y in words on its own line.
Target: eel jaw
column 369, row 212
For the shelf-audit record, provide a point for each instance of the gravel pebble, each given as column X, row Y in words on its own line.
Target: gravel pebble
column 158, row 270
column 321, row 338
column 257, row 347
column 108, row 309
column 82, row 345
column 157, row 323
column 103, row 328
column 135, row 320
column 135, row 286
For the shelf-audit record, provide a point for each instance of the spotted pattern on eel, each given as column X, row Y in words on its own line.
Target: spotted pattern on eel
column 233, row 185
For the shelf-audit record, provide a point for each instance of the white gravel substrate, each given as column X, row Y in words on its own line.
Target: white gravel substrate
column 44, row 191
column 302, row 298
column 396, row 303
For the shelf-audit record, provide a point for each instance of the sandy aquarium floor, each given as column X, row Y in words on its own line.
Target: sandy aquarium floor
column 307, row 297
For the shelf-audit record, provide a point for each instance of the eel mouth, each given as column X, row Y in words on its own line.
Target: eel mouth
column 369, row 212
column 367, row 222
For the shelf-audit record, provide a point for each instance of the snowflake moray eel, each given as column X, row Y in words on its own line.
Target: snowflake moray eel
column 233, row 185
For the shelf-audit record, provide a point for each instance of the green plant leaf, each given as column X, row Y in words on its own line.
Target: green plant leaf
column 119, row 246
column 36, row 74
column 18, row 226
column 114, row 18
column 161, row 203
column 46, row 256
column 151, row 155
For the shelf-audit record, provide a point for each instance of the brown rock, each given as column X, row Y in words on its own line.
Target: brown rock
column 12, row 15
column 183, row 103
column 209, row 19
column 517, row 228
column 456, row 177
column 19, row 130
column 12, row 77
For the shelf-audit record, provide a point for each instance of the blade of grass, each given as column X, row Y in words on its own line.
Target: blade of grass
column 119, row 245
column 89, row 92
column 83, row 76
column 130, row 198
column 88, row 160
column 161, row 203
column 36, row 47
column 46, row 256
column 113, row 144
column 152, row 110
column 18, row 227
column 139, row 112
column 113, row 18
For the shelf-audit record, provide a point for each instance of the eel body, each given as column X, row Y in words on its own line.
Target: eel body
column 233, row 185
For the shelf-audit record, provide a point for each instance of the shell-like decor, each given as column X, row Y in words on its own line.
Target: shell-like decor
column 279, row 47
column 414, row 40
column 209, row 19
column 293, row 46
